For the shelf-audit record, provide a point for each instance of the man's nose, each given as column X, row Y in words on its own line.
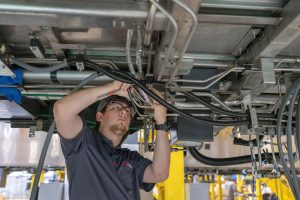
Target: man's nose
column 123, row 112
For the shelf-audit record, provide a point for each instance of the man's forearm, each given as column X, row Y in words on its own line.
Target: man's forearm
column 78, row 101
column 161, row 157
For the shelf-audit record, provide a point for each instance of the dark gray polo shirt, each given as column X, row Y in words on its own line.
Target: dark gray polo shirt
column 98, row 171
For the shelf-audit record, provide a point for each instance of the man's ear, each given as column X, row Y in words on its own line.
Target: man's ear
column 99, row 116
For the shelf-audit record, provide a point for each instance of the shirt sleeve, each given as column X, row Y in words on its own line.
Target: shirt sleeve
column 140, row 164
column 72, row 147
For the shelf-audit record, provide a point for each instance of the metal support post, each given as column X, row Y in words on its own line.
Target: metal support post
column 239, row 187
column 212, row 189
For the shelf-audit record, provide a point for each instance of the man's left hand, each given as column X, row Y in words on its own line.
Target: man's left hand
column 160, row 111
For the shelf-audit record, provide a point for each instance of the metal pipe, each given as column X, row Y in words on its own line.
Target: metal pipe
column 244, row 5
column 180, row 105
column 212, row 96
column 47, row 86
column 286, row 60
column 55, row 61
column 139, row 51
column 287, row 70
column 175, row 26
column 192, row 30
column 132, row 10
column 272, row 108
column 62, row 77
column 205, row 87
column 128, row 56
column 149, row 24
column 188, row 38
column 196, row 115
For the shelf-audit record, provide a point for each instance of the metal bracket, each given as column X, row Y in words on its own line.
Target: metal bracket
column 5, row 71
column 254, row 121
column 253, row 115
column 79, row 62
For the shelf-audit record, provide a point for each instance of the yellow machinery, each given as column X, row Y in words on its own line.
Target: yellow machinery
column 173, row 187
column 278, row 186
column 33, row 177
column 60, row 177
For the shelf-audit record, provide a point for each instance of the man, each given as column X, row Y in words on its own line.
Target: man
column 96, row 165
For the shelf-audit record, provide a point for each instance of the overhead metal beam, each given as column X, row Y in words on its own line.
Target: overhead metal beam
column 238, row 19
column 276, row 38
column 80, row 14
column 120, row 14
column 265, row 5
column 79, row 8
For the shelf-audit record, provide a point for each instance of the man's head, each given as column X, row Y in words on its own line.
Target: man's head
column 114, row 113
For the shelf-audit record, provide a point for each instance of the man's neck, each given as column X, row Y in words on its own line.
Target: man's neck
column 114, row 137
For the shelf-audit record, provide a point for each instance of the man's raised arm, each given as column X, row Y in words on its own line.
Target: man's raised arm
column 66, row 110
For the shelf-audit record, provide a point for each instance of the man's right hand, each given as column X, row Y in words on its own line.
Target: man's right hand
column 121, row 89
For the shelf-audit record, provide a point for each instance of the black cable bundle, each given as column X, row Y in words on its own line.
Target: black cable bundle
column 128, row 78
column 224, row 161
column 290, row 174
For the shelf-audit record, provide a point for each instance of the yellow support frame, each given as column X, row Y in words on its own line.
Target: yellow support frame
column 173, row 187
column 239, row 187
column 212, row 189
column 258, row 189
column 220, row 192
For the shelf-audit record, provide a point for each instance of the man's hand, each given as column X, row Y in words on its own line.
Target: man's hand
column 160, row 112
column 121, row 89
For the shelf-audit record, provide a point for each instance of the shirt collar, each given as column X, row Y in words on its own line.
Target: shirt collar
column 108, row 141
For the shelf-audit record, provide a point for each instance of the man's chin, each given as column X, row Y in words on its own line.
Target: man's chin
column 119, row 129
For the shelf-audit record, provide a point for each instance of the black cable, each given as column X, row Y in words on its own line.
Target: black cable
column 297, row 122
column 223, row 161
column 104, row 71
column 213, row 107
column 118, row 74
column 35, row 188
column 242, row 142
column 289, row 139
column 295, row 87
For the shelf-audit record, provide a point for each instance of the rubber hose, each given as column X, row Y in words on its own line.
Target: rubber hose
column 297, row 121
column 34, row 191
column 222, row 161
column 42, row 69
column 242, row 142
column 295, row 86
